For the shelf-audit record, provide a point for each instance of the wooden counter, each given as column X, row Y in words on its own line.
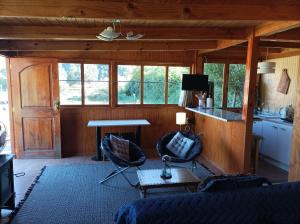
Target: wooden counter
column 223, row 142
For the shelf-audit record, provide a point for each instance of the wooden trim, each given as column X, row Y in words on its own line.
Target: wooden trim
column 225, row 86
column 142, row 85
column 37, row 45
column 82, row 84
column 249, row 97
column 155, row 10
column 10, row 106
column 88, row 33
column 167, row 84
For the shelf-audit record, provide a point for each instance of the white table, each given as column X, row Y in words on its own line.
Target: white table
column 115, row 123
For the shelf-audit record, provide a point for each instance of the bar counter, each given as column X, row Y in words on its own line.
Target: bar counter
column 219, row 114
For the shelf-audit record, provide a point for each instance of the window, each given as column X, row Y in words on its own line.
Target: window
column 215, row 74
column 69, row 83
column 174, row 82
column 236, row 85
column 96, row 84
column 129, row 84
column 154, row 84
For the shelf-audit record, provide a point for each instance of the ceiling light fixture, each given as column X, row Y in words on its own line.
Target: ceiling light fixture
column 110, row 33
column 266, row 67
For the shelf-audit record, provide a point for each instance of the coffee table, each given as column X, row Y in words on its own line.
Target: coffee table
column 150, row 179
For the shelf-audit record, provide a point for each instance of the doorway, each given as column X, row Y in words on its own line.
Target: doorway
column 5, row 144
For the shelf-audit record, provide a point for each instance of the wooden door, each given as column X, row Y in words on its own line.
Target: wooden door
column 35, row 107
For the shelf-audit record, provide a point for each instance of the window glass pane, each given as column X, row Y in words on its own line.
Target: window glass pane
column 174, row 82
column 129, row 84
column 236, row 85
column 69, row 83
column 215, row 74
column 154, row 84
column 96, row 84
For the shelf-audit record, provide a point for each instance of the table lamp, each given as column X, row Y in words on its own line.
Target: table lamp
column 180, row 118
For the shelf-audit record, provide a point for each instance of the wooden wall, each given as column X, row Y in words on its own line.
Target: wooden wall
column 294, row 171
column 78, row 139
column 223, row 142
column 269, row 82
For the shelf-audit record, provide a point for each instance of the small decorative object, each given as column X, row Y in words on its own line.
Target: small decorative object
column 202, row 99
column 180, row 118
column 209, row 102
column 166, row 171
column 284, row 83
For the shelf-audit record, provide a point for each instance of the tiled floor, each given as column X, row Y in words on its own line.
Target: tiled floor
column 32, row 168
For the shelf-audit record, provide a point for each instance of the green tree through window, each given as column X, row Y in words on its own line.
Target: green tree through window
column 236, row 85
column 154, row 84
column 215, row 74
column 129, row 84
column 174, row 82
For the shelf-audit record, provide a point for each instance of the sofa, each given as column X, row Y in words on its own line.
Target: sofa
column 276, row 204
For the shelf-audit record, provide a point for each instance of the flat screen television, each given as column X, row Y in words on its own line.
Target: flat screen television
column 195, row 82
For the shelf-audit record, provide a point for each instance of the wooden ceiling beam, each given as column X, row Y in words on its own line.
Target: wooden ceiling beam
column 155, row 10
column 292, row 35
column 150, row 33
column 271, row 28
column 279, row 44
column 22, row 45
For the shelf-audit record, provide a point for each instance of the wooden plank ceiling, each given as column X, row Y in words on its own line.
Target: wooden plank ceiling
column 203, row 26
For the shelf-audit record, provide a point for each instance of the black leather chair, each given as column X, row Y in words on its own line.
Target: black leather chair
column 193, row 153
column 136, row 155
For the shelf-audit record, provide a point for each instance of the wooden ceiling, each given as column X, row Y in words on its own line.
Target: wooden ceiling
column 203, row 26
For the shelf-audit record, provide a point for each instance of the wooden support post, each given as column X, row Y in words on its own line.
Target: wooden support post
column 249, row 96
column 225, row 86
column 199, row 63
column 294, row 171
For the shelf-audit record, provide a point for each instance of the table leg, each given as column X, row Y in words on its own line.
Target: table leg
column 138, row 136
column 98, row 145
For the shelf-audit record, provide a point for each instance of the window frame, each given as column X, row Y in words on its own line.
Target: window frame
column 141, row 104
column 113, row 82
column 82, row 63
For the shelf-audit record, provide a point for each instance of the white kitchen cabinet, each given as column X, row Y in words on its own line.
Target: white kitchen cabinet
column 269, row 133
column 257, row 127
column 276, row 143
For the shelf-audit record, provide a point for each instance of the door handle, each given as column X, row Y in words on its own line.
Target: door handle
column 56, row 105
column 274, row 127
column 283, row 129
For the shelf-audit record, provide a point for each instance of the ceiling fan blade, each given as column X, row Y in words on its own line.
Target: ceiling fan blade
column 134, row 37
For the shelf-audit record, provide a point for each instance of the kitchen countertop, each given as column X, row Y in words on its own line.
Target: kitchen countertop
column 272, row 118
column 219, row 114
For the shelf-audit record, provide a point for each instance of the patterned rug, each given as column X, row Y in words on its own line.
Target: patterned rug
column 71, row 194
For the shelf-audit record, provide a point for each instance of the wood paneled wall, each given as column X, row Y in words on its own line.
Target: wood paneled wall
column 294, row 171
column 78, row 139
column 223, row 142
column 272, row 99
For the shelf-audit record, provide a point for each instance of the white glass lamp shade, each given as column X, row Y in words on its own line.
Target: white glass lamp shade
column 109, row 33
column 266, row 67
column 180, row 118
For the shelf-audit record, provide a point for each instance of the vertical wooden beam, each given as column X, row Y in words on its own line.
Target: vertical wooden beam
column 225, row 86
column 294, row 171
column 113, row 84
column 199, row 63
column 249, row 96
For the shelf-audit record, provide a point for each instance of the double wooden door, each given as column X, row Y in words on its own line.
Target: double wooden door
column 35, row 108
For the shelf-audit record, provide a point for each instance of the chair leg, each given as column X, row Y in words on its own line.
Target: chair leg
column 131, row 184
column 114, row 173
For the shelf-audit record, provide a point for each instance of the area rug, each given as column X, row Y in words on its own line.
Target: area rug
column 71, row 194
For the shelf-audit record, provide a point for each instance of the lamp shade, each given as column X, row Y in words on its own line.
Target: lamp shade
column 180, row 118
column 266, row 67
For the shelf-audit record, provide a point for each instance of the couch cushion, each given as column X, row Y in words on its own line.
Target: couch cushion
column 180, row 145
column 228, row 183
column 120, row 147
